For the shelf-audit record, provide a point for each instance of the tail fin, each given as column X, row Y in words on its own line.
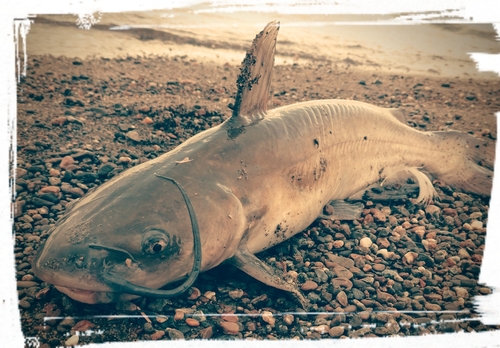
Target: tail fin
column 467, row 162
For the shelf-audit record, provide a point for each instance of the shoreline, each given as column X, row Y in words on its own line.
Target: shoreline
column 426, row 50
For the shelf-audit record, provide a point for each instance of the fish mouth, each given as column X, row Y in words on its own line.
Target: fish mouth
column 85, row 296
column 94, row 297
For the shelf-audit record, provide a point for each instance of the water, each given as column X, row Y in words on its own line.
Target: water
column 215, row 34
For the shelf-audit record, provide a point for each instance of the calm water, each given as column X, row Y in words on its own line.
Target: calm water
column 206, row 33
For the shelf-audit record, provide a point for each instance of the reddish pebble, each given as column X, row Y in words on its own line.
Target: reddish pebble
column 147, row 120
column 51, row 189
column 59, row 121
column 66, row 162
column 192, row 322
column 230, row 327
column 230, row 317
column 157, row 335
column 309, row 285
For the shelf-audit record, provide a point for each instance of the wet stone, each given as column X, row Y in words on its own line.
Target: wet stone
column 309, row 285
column 336, row 331
column 175, row 334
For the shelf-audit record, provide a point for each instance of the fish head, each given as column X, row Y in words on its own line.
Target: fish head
column 134, row 229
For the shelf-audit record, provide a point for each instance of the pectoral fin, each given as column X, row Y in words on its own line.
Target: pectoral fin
column 257, row 269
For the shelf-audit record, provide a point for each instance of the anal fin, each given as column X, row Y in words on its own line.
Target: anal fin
column 344, row 211
column 251, row 265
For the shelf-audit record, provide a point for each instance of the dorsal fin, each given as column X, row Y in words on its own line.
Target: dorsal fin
column 254, row 80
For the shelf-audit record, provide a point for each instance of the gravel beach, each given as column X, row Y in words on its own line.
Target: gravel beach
column 400, row 269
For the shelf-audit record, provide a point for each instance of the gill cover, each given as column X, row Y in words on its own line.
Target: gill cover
column 122, row 285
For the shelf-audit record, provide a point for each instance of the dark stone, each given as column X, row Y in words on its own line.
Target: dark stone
column 86, row 177
column 50, row 197
column 38, row 202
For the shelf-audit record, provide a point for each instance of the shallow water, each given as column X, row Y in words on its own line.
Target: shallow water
column 426, row 49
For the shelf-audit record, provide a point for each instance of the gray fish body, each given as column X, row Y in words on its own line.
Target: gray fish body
column 253, row 183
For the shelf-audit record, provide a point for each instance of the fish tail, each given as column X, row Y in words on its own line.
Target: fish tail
column 465, row 162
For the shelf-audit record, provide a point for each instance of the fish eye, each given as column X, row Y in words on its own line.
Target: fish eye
column 155, row 241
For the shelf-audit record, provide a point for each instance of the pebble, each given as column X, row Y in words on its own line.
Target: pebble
column 461, row 292
column 230, row 327
column 158, row 334
column 289, row 318
column 174, row 334
column 194, row 293
column 206, row 333
column 179, row 315
column 192, row 322
column 236, row 294
column 342, row 298
column 268, row 318
column 342, row 272
column 72, row 341
column 66, row 162
column 134, row 135
column 476, row 225
column 432, row 307
column 387, row 255
column 365, row 242
column 24, row 304
column 336, row 331
column 25, row 284
column 309, row 285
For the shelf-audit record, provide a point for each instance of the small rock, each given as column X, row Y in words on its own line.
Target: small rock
column 66, row 162
column 365, row 242
column 476, row 225
column 342, row 272
column 144, row 109
column 72, row 341
column 432, row 209
column 147, row 120
column 236, row 294
column 387, row 255
column 195, row 293
column 67, row 322
column 175, row 334
column 288, row 318
column 148, row 328
column 432, row 307
column 463, row 254
column 378, row 267
column 192, row 322
column 124, row 159
column 25, row 284
column 309, row 285
column 336, row 331
column 179, row 315
column 342, row 298
column 76, row 192
column 159, row 334
column 134, row 135
column 322, row 329
column 206, row 333
column 230, row 327
column 461, row 292
column 24, row 304
column 268, row 317
column 337, row 244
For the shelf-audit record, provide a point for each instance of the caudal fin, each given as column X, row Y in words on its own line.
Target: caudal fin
column 467, row 162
